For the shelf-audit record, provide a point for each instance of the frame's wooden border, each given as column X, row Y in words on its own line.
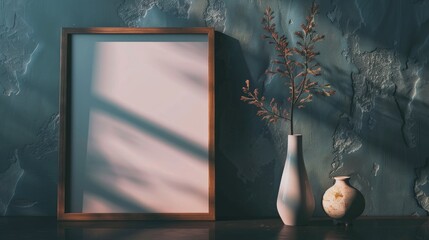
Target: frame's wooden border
column 64, row 127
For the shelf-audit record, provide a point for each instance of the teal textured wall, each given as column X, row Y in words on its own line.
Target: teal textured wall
column 375, row 128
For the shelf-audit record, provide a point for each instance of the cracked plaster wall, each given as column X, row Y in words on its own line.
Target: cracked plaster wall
column 375, row 55
column 16, row 45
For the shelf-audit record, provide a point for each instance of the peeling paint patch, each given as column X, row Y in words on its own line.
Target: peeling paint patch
column 47, row 143
column 377, row 73
column 215, row 14
column 17, row 47
column 374, row 78
column 422, row 179
column 380, row 75
column 411, row 76
column 375, row 169
column 178, row 8
column 9, row 179
column 132, row 12
column 346, row 141
column 47, row 138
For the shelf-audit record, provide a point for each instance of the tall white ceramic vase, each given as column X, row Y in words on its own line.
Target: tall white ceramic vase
column 295, row 200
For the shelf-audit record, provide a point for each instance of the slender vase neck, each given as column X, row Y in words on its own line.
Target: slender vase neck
column 294, row 150
column 294, row 143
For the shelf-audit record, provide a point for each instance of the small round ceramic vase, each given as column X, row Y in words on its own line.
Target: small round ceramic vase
column 342, row 202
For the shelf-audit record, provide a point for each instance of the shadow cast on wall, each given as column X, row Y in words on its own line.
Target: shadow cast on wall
column 238, row 194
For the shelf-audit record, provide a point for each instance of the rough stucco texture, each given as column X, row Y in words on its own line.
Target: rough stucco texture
column 16, row 46
column 375, row 56
column 133, row 11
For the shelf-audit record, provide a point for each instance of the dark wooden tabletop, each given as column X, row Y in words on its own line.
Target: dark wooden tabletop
column 47, row 228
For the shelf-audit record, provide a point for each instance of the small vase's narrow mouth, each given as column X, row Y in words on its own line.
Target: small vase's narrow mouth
column 296, row 134
column 342, row 178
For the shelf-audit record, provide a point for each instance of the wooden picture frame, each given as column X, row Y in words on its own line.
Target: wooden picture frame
column 136, row 124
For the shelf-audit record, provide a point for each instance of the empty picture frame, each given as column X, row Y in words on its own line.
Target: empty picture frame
column 136, row 124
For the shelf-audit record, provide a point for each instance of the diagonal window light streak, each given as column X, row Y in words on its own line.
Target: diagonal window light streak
column 150, row 127
column 105, row 199
column 144, row 170
column 163, row 82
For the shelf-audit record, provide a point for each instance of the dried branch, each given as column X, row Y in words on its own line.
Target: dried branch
column 294, row 64
column 272, row 113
